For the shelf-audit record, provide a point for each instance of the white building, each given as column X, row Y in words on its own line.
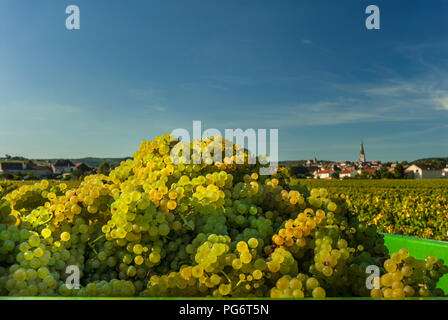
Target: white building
column 63, row 166
column 445, row 173
column 323, row 174
column 39, row 171
column 347, row 173
column 423, row 172
column 12, row 167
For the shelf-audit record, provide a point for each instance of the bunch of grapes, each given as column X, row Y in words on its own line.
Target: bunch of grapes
column 38, row 263
column 156, row 227
column 404, row 276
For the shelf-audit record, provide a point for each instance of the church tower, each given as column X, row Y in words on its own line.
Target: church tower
column 362, row 155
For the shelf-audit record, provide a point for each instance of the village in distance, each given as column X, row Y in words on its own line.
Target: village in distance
column 20, row 168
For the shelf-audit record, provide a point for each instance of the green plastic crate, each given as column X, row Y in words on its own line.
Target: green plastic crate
column 420, row 248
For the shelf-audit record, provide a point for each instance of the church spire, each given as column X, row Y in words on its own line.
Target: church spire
column 362, row 155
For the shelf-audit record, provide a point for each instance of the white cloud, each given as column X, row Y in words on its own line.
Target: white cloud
column 442, row 103
column 410, row 95
column 393, row 90
column 306, row 41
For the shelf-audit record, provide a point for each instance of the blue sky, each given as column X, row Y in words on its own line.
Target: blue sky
column 137, row 69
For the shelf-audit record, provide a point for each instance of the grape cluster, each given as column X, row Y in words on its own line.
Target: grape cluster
column 157, row 227
column 38, row 264
column 404, row 276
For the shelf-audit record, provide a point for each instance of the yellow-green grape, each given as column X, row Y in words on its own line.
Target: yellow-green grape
column 34, row 240
column 257, row 274
column 237, row 264
column 65, row 236
column 242, row 247
column 46, row 233
column 404, row 253
column 246, row 257
column 318, row 292
column 225, row 289
column 138, row 260
column 390, row 265
column 312, row 283
column 252, row 242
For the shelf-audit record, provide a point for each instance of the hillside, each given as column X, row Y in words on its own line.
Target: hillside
column 437, row 162
column 94, row 162
column 90, row 161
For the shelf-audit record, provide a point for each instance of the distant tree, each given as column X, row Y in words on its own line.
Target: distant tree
column 435, row 162
column 8, row 176
column 18, row 176
column 335, row 175
column 399, row 171
column 386, row 174
column 104, row 168
column 376, row 174
column 30, row 176
column 7, row 156
column 29, row 163
column 309, row 174
column 77, row 173
column 363, row 175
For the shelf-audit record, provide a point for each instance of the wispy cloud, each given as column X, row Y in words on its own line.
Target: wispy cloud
column 423, row 94
column 425, row 90
column 406, row 134
column 441, row 103
column 393, row 90
column 321, row 113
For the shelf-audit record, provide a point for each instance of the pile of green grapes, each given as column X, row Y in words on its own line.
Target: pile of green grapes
column 154, row 228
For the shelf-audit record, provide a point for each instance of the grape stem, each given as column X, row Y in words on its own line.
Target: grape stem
column 93, row 249
column 239, row 282
column 227, row 277
column 100, row 237
column 184, row 219
column 46, row 221
column 92, row 242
